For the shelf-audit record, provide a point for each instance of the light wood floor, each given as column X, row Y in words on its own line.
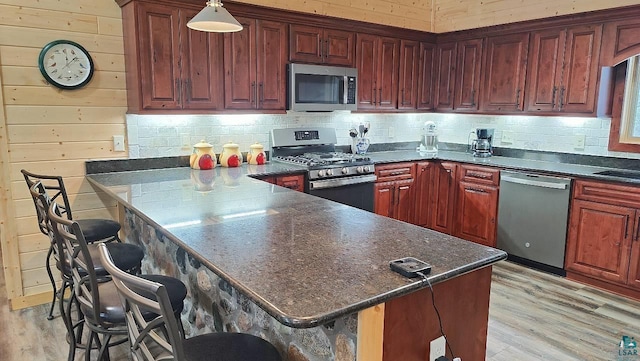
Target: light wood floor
column 533, row 316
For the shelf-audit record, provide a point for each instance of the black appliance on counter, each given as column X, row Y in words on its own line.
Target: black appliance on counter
column 341, row 177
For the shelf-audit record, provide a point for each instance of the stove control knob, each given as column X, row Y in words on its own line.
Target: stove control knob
column 329, row 172
column 321, row 173
column 345, row 170
column 366, row 169
column 360, row 169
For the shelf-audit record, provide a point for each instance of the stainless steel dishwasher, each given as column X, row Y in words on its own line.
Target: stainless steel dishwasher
column 532, row 218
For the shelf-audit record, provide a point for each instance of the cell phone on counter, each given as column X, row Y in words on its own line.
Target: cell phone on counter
column 410, row 266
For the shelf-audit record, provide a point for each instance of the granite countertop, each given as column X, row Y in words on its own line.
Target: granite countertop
column 303, row 259
column 539, row 166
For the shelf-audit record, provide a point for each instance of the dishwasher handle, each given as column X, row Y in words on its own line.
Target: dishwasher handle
column 534, row 182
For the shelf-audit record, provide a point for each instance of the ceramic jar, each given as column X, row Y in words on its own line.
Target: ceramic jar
column 231, row 155
column 203, row 180
column 203, row 156
column 256, row 154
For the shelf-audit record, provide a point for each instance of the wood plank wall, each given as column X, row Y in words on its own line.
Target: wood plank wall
column 455, row 15
column 51, row 131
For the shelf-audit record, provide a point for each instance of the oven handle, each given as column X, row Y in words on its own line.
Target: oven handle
column 333, row 183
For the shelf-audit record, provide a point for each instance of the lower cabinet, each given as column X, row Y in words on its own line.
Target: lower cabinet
column 394, row 190
column 604, row 235
column 477, row 204
column 443, row 197
column 294, row 182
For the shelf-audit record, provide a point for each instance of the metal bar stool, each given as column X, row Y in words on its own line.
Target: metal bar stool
column 94, row 293
column 95, row 229
column 159, row 339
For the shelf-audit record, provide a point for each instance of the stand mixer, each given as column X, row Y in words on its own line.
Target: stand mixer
column 429, row 139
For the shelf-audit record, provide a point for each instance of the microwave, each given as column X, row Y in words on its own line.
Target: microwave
column 321, row 88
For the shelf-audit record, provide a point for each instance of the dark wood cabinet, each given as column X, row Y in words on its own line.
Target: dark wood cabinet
column 603, row 243
column 426, row 68
column 311, row 44
column 377, row 63
column 294, row 181
column 424, row 188
column 467, row 84
column 443, row 197
column 394, row 191
column 505, row 64
column 254, row 64
column 408, row 76
column 563, row 71
column 477, row 204
column 178, row 68
column 445, row 78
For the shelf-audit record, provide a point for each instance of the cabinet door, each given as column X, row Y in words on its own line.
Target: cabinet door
column 383, row 201
column 634, row 268
column 294, row 182
column 505, row 71
column 425, row 76
column 388, row 73
column 408, row 77
column 306, row 44
column 423, row 190
column 338, row 47
column 240, row 66
column 443, row 197
column 445, row 81
column 469, row 56
column 160, row 83
column 476, row 212
column 545, row 70
column 201, row 68
column 367, row 60
column 599, row 240
column 580, row 78
column 405, row 201
column 271, row 65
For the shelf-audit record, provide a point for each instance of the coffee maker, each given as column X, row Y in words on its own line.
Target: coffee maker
column 481, row 146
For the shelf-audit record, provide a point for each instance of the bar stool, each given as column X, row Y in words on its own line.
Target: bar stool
column 95, row 229
column 159, row 339
column 95, row 294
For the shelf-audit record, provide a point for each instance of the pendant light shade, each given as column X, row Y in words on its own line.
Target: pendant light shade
column 214, row 18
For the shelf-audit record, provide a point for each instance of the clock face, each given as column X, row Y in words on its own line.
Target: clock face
column 65, row 64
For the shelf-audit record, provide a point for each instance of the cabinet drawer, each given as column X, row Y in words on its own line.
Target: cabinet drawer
column 607, row 193
column 394, row 172
column 481, row 175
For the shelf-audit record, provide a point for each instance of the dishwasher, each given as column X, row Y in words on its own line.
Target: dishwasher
column 532, row 219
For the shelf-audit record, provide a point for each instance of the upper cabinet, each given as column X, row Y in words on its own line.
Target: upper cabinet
column 377, row 62
column 178, row 68
column 446, row 75
column 408, row 84
column 426, row 69
column 467, row 84
column 309, row 44
column 563, row 70
column 255, row 66
column 504, row 72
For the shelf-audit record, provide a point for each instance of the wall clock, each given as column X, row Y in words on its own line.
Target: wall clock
column 65, row 64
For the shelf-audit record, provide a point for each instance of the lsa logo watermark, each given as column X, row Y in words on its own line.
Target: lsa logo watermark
column 628, row 349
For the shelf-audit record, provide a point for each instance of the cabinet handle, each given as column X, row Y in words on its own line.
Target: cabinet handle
column 562, row 89
column 626, row 228
column 178, row 90
column 518, row 97
column 637, row 230
column 374, row 94
column 380, row 100
column 478, row 175
column 553, row 97
column 476, row 190
column 261, row 93
column 473, row 97
column 253, row 92
column 189, row 90
column 326, row 49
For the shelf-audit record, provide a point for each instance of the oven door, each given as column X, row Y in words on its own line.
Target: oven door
column 353, row 191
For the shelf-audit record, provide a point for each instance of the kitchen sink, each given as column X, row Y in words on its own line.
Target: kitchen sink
column 620, row 173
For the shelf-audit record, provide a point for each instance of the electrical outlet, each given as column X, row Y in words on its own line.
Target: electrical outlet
column 392, row 132
column 578, row 141
column 507, row 137
column 118, row 143
column 437, row 348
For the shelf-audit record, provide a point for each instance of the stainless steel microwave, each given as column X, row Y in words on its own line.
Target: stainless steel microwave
column 321, row 88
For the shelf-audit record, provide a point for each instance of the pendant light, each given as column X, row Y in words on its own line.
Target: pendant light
column 214, row 18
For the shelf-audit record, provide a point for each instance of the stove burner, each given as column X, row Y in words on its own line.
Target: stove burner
column 322, row 159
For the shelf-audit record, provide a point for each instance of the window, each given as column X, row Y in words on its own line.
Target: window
column 630, row 117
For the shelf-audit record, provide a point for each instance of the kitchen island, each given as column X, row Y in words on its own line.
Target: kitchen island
column 308, row 274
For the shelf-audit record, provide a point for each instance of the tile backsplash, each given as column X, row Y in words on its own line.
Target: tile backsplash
column 171, row 135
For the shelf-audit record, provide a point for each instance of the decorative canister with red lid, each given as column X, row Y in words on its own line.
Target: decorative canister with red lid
column 203, row 156
column 256, row 154
column 231, row 155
